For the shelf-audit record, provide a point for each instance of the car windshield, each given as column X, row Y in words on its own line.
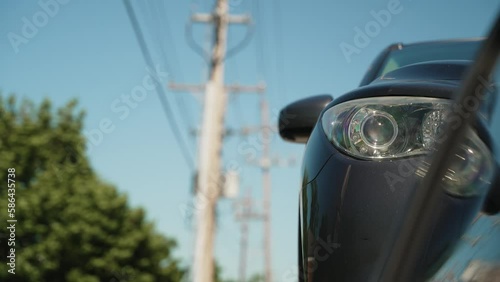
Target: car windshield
column 421, row 52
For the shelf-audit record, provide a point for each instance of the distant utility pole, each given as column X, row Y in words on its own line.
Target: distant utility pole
column 210, row 142
column 243, row 250
column 266, row 186
column 265, row 162
column 244, row 214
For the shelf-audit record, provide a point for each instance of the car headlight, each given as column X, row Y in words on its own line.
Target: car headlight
column 396, row 127
column 385, row 127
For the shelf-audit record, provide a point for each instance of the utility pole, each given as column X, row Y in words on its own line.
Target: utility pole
column 266, row 186
column 243, row 217
column 265, row 162
column 243, row 251
column 244, row 213
column 211, row 135
column 210, row 146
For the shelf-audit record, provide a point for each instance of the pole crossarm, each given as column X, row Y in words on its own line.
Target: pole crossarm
column 211, row 18
column 273, row 162
column 231, row 88
column 247, row 216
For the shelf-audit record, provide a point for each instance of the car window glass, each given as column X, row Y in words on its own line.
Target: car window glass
column 389, row 66
column 417, row 53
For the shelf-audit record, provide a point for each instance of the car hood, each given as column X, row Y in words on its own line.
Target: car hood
column 436, row 79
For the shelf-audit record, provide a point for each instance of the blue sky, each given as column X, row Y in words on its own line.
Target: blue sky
column 87, row 49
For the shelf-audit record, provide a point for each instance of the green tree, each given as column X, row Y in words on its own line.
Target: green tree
column 257, row 278
column 71, row 226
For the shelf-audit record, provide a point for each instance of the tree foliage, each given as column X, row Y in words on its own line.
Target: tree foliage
column 71, row 226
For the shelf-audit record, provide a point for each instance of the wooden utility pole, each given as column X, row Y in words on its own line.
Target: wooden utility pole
column 266, row 186
column 210, row 146
column 212, row 131
column 244, row 214
column 264, row 163
column 211, row 135
column 243, row 217
column 243, row 251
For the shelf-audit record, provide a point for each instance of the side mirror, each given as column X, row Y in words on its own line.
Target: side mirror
column 297, row 120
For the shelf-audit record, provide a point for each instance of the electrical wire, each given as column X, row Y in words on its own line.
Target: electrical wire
column 243, row 43
column 160, row 25
column 186, row 111
column 153, row 24
column 280, row 69
column 159, row 88
column 259, row 52
column 188, row 33
column 235, row 99
column 169, row 38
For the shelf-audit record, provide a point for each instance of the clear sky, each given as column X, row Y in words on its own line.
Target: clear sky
column 86, row 49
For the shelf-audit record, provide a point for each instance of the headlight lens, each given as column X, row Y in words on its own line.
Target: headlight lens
column 386, row 127
column 396, row 127
column 471, row 169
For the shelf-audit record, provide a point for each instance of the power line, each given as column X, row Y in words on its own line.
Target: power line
column 159, row 89
column 188, row 34
column 161, row 27
column 243, row 43
column 279, row 47
column 153, row 20
column 236, row 100
column 186, row 111
column 259, row 52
